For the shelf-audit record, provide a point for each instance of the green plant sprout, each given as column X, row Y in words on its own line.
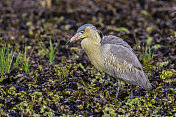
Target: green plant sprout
column 51, row 52
column 25, row 62
column 6, row 58
column 147, row 53
column 17, row 62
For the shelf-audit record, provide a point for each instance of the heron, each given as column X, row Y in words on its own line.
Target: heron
column 112, row 55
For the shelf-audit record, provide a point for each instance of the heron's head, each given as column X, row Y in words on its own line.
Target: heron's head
column 85, row 31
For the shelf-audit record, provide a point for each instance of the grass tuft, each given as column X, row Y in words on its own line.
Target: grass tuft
column 6, row 58
column 17, row 62
column 25, row 62
column 51, row 52
column 147, row 53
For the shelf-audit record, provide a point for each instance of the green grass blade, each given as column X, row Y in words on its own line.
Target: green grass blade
column 150, row 54
column 16, row 64
column 51, row 53
column 2, row 59
column 10, row 60
column 6, row 58
column 25, row 61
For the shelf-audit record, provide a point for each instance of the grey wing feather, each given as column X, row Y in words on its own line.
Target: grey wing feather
column 122, row 50
column 122, row 63
column 114, row 40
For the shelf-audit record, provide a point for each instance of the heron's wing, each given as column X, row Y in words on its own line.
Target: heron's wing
column 121, row 62
column 121, row 50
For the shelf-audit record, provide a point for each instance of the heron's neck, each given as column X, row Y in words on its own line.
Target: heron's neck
column 93, row 50
column 91, row 46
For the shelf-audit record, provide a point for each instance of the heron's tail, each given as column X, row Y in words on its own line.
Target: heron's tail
column 142, row 80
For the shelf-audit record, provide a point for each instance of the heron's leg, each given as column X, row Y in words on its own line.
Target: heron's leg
column 131, row 88
column 118, row 88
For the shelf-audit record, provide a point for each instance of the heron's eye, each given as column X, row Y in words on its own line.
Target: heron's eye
column 82, row 32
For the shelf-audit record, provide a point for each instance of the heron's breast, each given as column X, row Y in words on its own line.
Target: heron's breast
column 95, row 55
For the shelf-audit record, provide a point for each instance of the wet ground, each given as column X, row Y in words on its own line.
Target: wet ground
column 70, row 85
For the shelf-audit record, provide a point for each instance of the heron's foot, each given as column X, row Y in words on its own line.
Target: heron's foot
column 117, row 93
column 131, row 88
column 118, row 89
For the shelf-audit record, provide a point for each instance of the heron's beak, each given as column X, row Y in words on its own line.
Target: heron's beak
column 77, row 36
